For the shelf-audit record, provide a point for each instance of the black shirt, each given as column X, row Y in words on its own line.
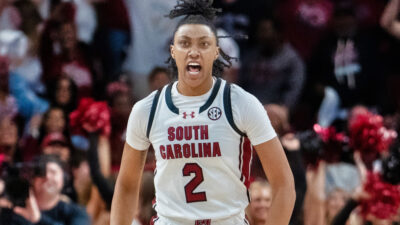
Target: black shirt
column 62, row 214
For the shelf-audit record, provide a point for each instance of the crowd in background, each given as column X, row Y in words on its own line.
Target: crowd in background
column 315, row 65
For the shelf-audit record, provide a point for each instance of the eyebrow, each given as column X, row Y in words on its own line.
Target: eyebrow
column 187, row 37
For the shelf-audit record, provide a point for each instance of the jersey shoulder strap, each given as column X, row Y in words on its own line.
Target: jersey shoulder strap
column 228, row 109
column 153, row 111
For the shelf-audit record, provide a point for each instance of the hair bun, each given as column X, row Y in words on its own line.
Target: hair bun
column 194, row 7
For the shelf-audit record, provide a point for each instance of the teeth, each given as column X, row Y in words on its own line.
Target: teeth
column 194, row 64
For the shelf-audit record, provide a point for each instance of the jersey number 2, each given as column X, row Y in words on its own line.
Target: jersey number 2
column 191, row 196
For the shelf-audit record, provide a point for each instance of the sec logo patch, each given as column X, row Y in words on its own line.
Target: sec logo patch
column 214, row 113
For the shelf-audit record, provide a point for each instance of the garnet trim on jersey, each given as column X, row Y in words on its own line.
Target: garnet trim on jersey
column 203, row 222
column 246, row 155
column 246, row 149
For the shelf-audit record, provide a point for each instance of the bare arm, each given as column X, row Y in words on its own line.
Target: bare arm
column 279, row 175
column 314, row 203
column 389, row 18
column 125, row 200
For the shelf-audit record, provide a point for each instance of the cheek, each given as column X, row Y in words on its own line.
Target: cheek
column 61, row 123
column 180, row 59
column 48, row 150
column 209, row 57
column 60, row 180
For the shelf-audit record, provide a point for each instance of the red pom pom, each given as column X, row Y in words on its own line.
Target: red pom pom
column 332, row 142
column 384, row 198
column 329, row 134
column 91, row 116
column 368, row 134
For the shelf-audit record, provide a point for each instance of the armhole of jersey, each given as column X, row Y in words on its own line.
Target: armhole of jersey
column 153, row 112
column 228, row 109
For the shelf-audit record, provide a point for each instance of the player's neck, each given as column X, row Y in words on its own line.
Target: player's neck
column 188, row 90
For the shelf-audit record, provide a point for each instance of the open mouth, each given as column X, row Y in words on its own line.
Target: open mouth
column 193, row 68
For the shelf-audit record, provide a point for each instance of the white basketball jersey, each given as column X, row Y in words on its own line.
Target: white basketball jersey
column 203, row 160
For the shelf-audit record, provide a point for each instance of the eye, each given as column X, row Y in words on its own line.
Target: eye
column 184, row 43
column 205, row 44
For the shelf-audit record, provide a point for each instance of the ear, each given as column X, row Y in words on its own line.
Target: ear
column 172, row 50
column 217, row 53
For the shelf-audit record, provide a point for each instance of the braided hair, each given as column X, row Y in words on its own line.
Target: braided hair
column 199, row 12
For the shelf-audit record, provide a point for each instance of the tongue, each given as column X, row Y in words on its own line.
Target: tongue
column 194, row 69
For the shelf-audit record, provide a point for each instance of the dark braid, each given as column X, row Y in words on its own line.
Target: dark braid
column 199, row 12
column 193, row 7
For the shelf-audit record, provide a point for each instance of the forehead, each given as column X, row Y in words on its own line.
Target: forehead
column 53, row 167
column 194, row 31
column 260, row 192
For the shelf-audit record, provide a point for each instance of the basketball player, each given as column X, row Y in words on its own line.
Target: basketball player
column 202, row 130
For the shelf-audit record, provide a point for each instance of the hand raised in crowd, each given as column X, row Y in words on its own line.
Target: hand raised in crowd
column 389, row 18
column 4, row 202
column 360, row 193
column 31, row 211
column 314, row 202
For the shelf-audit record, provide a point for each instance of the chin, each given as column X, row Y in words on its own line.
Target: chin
column 194, row 81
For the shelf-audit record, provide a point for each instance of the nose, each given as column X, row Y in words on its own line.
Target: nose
column 194, row 53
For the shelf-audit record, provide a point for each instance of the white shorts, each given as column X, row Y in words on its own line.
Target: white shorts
column 236, row 220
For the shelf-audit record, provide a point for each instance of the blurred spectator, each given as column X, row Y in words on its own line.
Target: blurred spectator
column 121, row 102
column 45, row 204
column 85, row 20
column 325, row 196
column 46, row 7
column 240, row 18
column 151, row 38
column 86, row 192
column 273, row 71
column 279, row 116
column 158, row 77
column 305, row 22
column 346, row 60
column 8, row 105
column 389, row 19
column 147, row 195
column 261, row 199
column 62, row 54
column 335, row 201
column 360, row 195
column 28, row 65
column 30, row 24
column 368, row 12
column 9, row 140
column 113, row 35
column 28, row 102
column 64, row 95
column 9, row 17
column 56, row 144
column 81, row 180
column 106, row 186
column 53, row 121
column 14, row 45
